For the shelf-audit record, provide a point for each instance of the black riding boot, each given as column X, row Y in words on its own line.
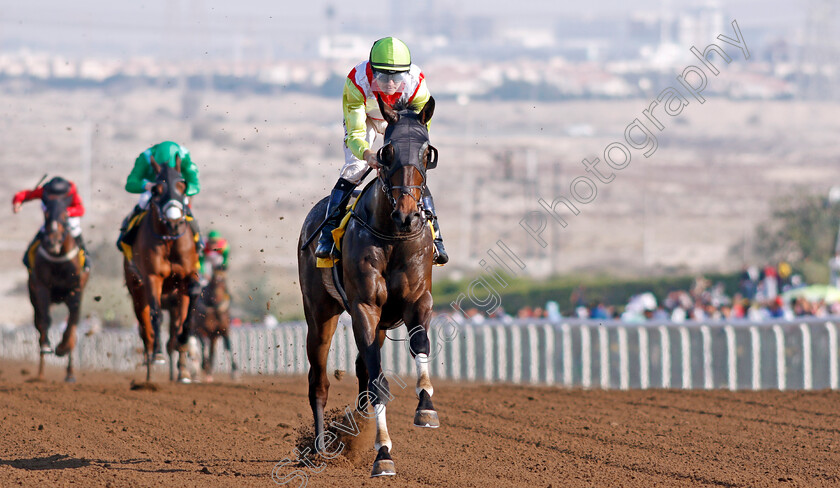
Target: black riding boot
column 26, row 253
column 441, row 257
column 124, row 227
column 80, row 241
column 325, row 243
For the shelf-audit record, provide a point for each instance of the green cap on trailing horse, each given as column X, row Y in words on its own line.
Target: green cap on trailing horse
column 390, row 54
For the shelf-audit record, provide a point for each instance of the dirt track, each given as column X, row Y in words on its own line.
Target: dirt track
column 100, row 433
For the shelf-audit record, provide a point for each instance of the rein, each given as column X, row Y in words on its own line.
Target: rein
column 58, row 259
column 387, row 237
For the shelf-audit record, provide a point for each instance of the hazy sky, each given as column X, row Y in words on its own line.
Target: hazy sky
column 124, row 28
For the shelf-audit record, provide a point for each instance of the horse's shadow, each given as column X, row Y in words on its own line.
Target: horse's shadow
column 62, row 462
column 56, row 461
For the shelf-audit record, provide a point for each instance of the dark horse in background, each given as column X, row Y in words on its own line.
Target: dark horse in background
column 387, row 255
column 213, row 321
column 164, row 262
column 57, row 276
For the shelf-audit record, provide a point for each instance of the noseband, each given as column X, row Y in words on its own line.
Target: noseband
column 388, row 188
column 171, row 203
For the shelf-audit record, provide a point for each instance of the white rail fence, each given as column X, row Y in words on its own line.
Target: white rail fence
column 735, row 355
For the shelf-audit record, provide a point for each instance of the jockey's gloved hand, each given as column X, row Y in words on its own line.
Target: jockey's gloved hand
column 372, row 159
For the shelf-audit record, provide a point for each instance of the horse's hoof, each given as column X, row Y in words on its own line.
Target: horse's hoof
column 70, row 379
column 159, row 358
column 426, row 418
column 184, row 380
column 208, row 379
column 46, row 349
column 383, row 467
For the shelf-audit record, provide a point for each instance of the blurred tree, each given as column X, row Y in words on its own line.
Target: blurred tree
column 802, row 230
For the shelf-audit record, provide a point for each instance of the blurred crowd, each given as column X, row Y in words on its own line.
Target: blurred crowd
column 766, row 293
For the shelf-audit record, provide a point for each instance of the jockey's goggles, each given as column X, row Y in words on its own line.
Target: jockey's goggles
column 382, row 78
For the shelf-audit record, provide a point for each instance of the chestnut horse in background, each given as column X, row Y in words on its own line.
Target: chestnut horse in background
column 57, row 276
column 387, row 255
column 213, row 321
column 164, row 262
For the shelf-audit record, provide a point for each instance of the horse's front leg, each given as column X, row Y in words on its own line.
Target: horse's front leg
column 153, row 293
column 211, row 357
column 322, row 322
column 40, row 298
column 179, row 323
column 144, row 320
column 68, row 341
column 193, row 293
column 234, row 369
column 417, row 321
column 365, row 321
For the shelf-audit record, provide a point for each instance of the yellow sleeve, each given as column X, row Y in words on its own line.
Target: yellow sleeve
column 353, row 102
column 420, row 98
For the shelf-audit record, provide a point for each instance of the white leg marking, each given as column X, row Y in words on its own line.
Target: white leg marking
column 424, row 382
column 382, row 437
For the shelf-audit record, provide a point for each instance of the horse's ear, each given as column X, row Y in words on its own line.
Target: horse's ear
column 178, row 163
column 155, row 165
column 388, row 113
column 386, row 155
column 427, row 111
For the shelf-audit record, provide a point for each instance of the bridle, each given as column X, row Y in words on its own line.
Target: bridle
column 387, row 171
column 388, row 188
column 55, row 215
column 170, row 203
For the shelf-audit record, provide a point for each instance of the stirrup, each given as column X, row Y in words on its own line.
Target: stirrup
column 333, row 253
column 319, row 251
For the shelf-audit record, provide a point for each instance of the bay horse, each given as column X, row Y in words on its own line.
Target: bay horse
column 387, row 255
column 213, row 321
column 164, row 262
column 57, row 276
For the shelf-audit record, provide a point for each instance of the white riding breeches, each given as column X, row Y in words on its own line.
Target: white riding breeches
column 144, row 200
column 74, row 225
column 354, row 167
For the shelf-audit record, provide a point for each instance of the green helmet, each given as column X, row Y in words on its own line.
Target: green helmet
column 165, row 152
column 390, row 54
column 214, row 234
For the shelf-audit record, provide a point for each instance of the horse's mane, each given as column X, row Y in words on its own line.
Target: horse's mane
column 400, row 106
column 403, row 108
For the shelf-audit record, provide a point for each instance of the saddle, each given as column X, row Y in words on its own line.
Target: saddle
column 346, row 214
column 127, row 243
column 131, row 234
column 338, row 232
